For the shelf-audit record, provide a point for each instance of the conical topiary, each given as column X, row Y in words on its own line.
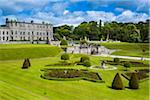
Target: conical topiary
column 26, row 64
column 117, row 83
column 133, row 82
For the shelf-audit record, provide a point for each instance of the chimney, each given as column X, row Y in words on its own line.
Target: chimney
column 6, row 20
column 32, row 21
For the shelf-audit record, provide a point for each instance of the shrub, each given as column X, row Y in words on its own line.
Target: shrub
column 117, row 83
column 127, row 65
column 133, row 82
column 63, row 42
column 64, row 49
column 65, row 56
column 116, row 60
column 87, row 63
column 84, row 58
column 26, row 63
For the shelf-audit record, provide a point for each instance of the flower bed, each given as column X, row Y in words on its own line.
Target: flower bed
column 71, row 74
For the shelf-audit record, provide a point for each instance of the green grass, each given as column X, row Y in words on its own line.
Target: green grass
column 129, row 49
column 21, row 51
column 17, row 83
column 26, row 84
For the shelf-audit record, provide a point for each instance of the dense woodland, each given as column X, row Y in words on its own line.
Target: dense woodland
column 125, row 32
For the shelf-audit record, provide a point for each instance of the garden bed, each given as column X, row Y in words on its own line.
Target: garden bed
column 142, row 74
column 71, row 74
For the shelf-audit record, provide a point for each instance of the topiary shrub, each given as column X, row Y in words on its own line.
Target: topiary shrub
column 117, row 83
column 127, row 65
column 65, row 56
column 63, row 42
column 84, row 58
column 87, row 63
column 116, row 60
column 26, row 63
column 133, row 82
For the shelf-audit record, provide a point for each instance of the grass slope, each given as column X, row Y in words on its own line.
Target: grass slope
column 21, row 51
column 129, row 49
column 21, row 84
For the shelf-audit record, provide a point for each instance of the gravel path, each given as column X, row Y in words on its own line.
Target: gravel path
column 126, row 57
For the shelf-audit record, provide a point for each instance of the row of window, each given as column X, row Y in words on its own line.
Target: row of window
column 23, row 38
column 3, row 32
column 24, row 33
column 31, row 25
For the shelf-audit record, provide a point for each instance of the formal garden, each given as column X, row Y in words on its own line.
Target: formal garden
column 54, row 74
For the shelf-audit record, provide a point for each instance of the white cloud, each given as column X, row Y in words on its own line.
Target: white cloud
column 129, row 16
column 76, row 17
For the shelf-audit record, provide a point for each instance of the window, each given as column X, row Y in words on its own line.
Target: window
column 3, row 32
column 12, row 32
column 28, row 33
column 3, row 38
column 47, row 33
column 7, row 32
column 7, row 38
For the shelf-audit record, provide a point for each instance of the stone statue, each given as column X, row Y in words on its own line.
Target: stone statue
column 103, row 65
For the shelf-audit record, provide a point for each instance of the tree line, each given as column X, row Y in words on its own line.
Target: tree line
column 125, row 32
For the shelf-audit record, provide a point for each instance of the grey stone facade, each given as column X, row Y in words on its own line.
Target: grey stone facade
column 25, row 31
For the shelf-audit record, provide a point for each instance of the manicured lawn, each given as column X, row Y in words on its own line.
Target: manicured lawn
column 21, row 51
column 26, row 84
column 129, row 49
column 17, row 83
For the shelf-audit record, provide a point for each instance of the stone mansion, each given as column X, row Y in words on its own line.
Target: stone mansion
column 25, row 31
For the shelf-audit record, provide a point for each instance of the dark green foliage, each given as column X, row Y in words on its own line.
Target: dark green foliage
column 84, row 58
column 125, row 32
column 117, row 82
column 64, row 30
column 26, row 63
column 127, row 65
column 63, row 42
column 65, row 56
column 133, row 83
column 87, row 63
column 116, row 60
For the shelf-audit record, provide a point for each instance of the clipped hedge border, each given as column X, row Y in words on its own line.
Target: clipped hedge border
column 70, row 79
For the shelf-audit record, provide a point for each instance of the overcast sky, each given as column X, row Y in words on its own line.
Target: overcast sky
column 73, row 12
